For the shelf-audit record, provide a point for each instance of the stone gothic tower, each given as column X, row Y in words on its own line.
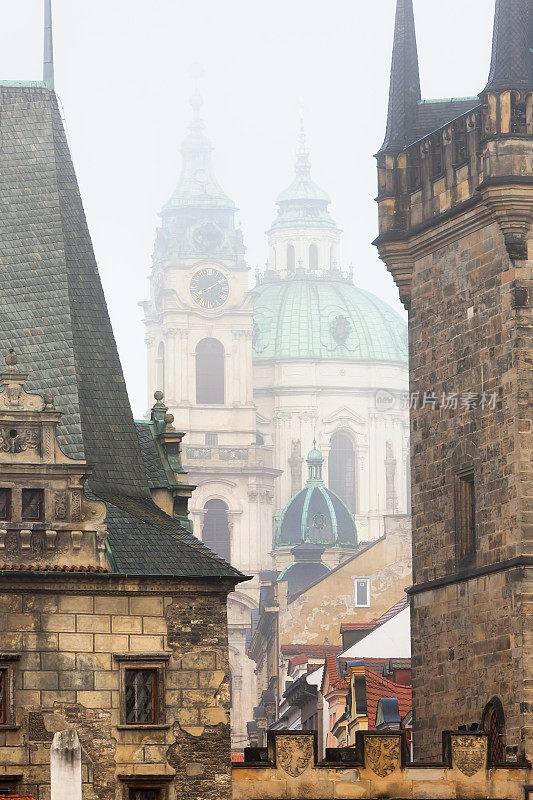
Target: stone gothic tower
column 455, row 211
column 199, row 323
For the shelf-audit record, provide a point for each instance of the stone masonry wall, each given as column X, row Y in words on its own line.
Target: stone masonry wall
column 463, row 338
column 67, row 632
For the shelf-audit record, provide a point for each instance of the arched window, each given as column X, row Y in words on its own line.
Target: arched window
column 210, row 372
column 291, row 258
column 341, row 469
column 313, row 257
column 215, row 533
column 494, row 725
column 160, row 368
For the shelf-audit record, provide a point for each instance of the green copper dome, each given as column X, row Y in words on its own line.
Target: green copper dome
column 325, row 319
column 315, row 515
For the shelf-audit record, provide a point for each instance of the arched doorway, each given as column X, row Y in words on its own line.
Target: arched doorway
column 210, row 372
column 215, row 532
column 341, row 469
column 494, row 725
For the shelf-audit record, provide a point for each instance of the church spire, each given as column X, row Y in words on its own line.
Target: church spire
column 512, row 58
column 48, row 58
column 197, row 184
column 405, row 79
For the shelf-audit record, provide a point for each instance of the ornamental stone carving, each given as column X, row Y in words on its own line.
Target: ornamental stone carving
column 294, row 754
column 469, row 754
column 382, row 754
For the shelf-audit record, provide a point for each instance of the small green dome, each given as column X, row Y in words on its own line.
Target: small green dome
column 321, row 319
column 315, row 515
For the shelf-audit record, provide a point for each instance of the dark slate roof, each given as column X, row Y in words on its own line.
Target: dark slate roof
column 153, row 465
column 53, row 313
column 512, row 46
column 404, row 80
column 434, row 114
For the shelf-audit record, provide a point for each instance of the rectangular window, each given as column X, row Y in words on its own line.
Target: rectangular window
column 5, row 504
column 32, row 505
column 465, row 517
column 3, row 696
column 141, row 696
column 362, row 592
column 211, row 439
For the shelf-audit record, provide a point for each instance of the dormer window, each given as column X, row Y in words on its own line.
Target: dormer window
column 32, row 505
column 5, row 505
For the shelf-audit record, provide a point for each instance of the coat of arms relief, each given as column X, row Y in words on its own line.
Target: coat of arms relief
column 294, row 754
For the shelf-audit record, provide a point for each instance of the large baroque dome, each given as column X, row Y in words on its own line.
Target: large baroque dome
column 318, row 318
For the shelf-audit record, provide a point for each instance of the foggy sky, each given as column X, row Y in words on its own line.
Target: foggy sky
column 122, row 74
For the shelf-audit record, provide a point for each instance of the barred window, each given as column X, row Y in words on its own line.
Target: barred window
column 3, row 697
column 465, row 517
column 143, row 793
column 141, row 696
column 5, row 504
column 32, row 505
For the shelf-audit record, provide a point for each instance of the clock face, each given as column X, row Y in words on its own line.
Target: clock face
column 209, row 288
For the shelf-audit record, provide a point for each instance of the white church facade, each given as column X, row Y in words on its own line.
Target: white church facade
column 254, row 376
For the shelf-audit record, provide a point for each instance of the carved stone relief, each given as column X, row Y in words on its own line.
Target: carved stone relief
column 294, row 754
column 382, row 754
column 469, row 754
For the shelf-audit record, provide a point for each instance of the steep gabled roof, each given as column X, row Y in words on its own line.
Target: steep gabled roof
column 53, row 313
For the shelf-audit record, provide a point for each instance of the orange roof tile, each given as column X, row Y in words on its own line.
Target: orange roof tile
column 378, row 687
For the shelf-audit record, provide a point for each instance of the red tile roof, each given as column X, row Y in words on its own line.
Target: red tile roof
column 310, row 650
column 369, row 626
column 295, row 661
column 357, row 626
column 50, row 568
column 378, row 687
column 332, row 670
column 395, row 609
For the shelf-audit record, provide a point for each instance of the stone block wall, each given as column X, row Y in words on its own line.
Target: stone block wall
column 65, row 640
column 471, row 637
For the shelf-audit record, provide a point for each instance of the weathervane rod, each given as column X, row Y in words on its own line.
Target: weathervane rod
column 48, row 60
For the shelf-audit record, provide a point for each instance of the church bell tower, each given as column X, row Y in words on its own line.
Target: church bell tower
column 199, row 325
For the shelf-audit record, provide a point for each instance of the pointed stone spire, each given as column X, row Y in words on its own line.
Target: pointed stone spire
column 512, row 61
column 48, row 59
column 404, row 81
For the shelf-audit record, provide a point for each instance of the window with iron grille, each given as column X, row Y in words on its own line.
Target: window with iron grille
column 465, row 518
column 141, row 696
column 5, row 504
column 32, row 505
column 436, row 163
column 3, row 696
column 494, row 725
column 211, row 439
column 143, row 793
column 413, row 170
